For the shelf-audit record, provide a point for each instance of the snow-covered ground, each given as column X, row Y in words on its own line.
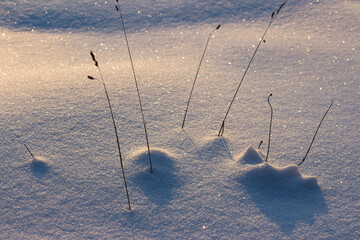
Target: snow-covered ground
column 203, row 186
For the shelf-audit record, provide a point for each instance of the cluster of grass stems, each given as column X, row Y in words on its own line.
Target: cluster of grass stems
column 221, row 131
column 118, row 9
column 222, row 128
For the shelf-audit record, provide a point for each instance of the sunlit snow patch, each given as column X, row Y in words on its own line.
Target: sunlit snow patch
column 158, row 186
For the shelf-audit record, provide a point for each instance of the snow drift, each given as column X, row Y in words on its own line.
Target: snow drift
column 280, row 192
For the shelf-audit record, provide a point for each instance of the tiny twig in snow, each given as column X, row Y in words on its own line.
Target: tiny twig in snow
column 136, row 83
column 196, row 75
column 113, row 120
column 32, row 155
column 271, row 117
column 316, row 133
column 260, row 144
column 273, row 17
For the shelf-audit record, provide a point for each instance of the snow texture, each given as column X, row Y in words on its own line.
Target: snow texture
column 203, row 186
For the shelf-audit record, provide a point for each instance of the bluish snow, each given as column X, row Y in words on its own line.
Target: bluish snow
column 203, row 186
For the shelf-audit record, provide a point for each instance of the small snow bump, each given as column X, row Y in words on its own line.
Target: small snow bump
column 251, row 156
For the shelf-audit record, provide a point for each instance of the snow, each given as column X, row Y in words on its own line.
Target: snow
column 251, row 156
column 39, row 166
column 141, row 15
column 284, row 196
column 203, row 186
column 159, row 186
column 280, row 192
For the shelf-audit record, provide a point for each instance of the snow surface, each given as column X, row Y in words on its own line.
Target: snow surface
column 203, row 186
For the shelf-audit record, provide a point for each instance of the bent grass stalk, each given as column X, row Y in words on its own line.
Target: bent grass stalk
column 316, row 133
column 273, row 17
column 271, row 117
column 114, row 124
column 136, row 83
column 196, row 75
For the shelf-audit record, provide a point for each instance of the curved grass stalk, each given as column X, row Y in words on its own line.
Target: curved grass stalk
column 271, row 117
column 316, row 133
column 114, row 124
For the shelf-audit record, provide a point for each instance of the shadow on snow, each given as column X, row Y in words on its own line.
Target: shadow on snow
column 283, row 195
column 39, row 167
column 215, row 146
column 160, row 185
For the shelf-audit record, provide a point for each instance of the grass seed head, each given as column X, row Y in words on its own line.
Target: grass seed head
column 93, row 58
column 280, row 7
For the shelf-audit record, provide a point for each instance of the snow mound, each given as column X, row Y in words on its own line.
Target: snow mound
column 161, row 159
column 159, row 186
column 251, row 156
column 215, row 145
column 39, row 166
